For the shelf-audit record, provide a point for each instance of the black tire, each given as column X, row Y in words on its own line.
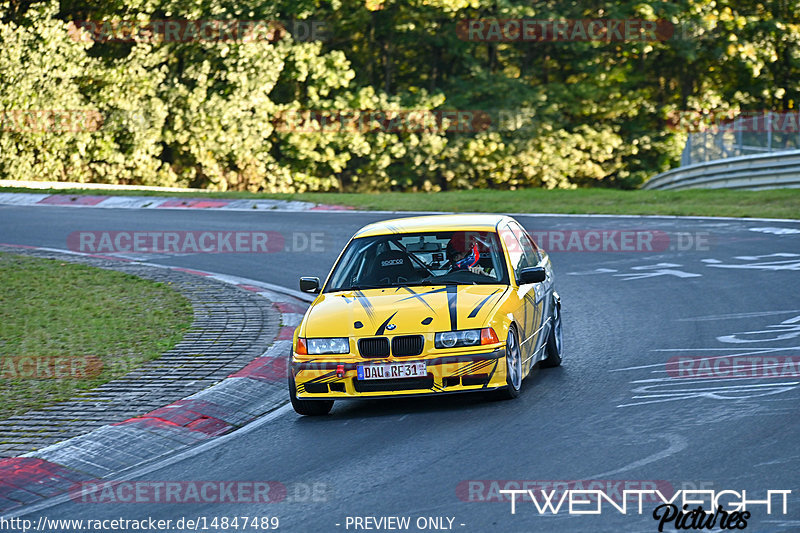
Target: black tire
column 514, row 375
column 307, row 407
column 554, row 340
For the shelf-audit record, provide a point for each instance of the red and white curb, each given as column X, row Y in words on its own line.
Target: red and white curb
column 154, row 202
column 254, row 391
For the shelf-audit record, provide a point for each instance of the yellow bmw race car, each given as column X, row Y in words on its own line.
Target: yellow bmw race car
column 427, row 305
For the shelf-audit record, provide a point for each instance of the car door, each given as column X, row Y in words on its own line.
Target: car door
column 541, row 294
column 528, row 311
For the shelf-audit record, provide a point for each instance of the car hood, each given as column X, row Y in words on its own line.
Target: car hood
column 402, row 310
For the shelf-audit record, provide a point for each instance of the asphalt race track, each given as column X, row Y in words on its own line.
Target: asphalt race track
column 614, row 413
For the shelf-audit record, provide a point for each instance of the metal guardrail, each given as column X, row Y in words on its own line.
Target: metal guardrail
column 749, row 133
column 764, row 171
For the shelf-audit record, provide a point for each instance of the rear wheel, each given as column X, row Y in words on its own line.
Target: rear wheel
column 554, row 341
column 513, row 367
column 307, row 407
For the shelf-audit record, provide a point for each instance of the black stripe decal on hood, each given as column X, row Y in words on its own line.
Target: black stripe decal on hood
column 418, row 294
column 474, row 312
column 452, row 292
column 382, row 328
column 418, row 297
column 366, row 304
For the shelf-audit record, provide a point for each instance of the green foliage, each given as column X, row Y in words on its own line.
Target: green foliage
column 210, row 113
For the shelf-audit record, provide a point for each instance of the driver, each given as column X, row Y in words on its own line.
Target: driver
column 463, row 254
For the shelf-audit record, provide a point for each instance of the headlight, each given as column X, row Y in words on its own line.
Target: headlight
column 454, row 339
column 330, row 345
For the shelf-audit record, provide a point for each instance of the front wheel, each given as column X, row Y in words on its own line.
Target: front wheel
column 513, row 367
column 307, row 407
column 554, row 342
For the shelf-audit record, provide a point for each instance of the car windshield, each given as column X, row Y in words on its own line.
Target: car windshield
column 436, row 258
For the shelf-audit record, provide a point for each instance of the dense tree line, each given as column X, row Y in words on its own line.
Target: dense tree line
column 376, row 94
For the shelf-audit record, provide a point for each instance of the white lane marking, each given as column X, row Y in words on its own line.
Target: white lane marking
column 696, row 381
column 755, row 257
column 788, row 329
column 736, row 387
column 737, row 315
column 760, row 367
column 659, row 269
column 754, row 351
column 677, row 443
column 722, row 388
column 765, row 349
column 777, row 231
column 781, row 460
column 717, row 393
column 784, row 523
column 138, row 471
column 759, row 264
column 595, row 271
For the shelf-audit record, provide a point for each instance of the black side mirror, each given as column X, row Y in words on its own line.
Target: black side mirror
column 535, row 274
column 309, row 285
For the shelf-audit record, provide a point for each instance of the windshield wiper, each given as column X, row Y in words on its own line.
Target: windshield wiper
column 446, row 282
column 358, row 288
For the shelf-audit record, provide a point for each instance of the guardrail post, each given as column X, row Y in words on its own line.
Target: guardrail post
column 739, row 127
column 769, row 131
column 686, row 155
column 705, row 146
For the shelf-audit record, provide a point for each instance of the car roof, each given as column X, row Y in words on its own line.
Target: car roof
column 462, row 222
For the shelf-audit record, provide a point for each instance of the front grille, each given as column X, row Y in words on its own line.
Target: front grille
column 407, row 345
column 374, row 347
column 401, row 384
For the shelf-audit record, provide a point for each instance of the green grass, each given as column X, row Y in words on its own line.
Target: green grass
column 778, row 203
column 55, row 309
column 763, row 204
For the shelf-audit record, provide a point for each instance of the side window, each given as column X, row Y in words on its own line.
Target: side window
column 515, row 249
column 529, row 248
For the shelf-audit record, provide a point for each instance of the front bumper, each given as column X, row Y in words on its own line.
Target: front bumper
column 319, row 379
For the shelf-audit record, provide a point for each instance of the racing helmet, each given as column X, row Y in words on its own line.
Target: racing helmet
column 460, row 243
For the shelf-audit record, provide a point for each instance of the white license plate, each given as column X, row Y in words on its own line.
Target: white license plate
column 392, row 370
